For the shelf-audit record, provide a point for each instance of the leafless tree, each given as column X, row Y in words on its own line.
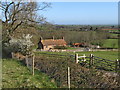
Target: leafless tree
column 18, row 13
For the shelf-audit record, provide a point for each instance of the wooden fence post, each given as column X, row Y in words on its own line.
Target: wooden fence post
column 18, row 56
column 91, row 62
column 117, row 65
column 26, row 58
column 117, row 69
column 84, row 57
column 12, row 55
column 76, row 58
column 69, row 77
column 33, row 64
column 92, row 59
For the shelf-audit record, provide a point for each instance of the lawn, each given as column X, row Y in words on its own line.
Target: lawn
column 16, row 75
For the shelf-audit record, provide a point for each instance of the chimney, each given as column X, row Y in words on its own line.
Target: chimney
column 63, row 38
column 53, row 37
column 41, row 38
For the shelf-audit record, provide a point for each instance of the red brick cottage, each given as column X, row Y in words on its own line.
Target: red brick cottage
column 48, row 44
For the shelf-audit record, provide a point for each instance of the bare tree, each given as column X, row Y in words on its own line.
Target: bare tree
column 18, row 13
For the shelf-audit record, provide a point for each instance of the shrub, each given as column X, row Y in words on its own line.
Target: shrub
column 22, row 45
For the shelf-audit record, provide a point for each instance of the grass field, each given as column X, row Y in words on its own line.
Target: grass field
column 107, row 62
column 111, row 55
column 114, row 35
column 110, row 43
column 16, row 75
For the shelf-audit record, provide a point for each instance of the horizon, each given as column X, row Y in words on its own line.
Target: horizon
column 89, row 24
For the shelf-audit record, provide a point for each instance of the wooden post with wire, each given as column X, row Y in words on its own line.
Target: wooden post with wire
column 91, row 62
column 69, row 77
column 117, row 65
column 92, row 59
column 33, row 59
column 26, row 59
column 117, row 69
column 12, row 55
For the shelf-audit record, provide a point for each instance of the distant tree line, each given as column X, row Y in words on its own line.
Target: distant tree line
column 49, row 26
column 75, row 33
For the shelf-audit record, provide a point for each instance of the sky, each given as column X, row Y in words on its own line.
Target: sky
column 82, row 13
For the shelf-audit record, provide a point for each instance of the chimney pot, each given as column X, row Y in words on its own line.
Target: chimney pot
column 63, row 38
column 41, row 38
column 53, row 37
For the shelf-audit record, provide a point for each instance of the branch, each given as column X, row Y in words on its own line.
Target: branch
column 43, row 7
column 16, row 26
column 6, row 11
column 13, row 21
column 16, row 7
column 2, row 8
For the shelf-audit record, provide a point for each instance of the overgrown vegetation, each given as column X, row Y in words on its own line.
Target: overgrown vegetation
column 16, row 75
column 55, row 65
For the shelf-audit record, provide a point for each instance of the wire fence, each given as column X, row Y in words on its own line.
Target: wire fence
column 56, row 66
column 92, row 61
column 87, row 61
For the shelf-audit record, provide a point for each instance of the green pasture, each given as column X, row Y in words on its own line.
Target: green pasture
column 114, row 35
column 110, row 43
column 108, row 58
column 111, row 55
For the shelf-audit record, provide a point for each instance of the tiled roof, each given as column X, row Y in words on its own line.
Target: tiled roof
column 55, row 42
